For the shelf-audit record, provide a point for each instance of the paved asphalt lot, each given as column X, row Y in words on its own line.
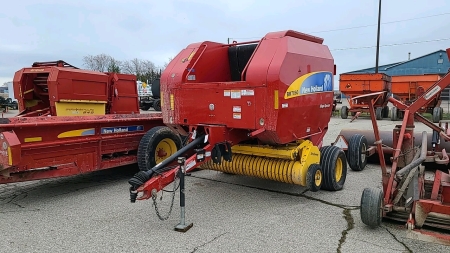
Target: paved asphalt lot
column 92, row 213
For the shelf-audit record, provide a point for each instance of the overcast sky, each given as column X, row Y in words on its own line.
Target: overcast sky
column 48, row 30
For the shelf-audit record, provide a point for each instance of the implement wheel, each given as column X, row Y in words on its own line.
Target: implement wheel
column 379, row 113
column 157, row 105
column 334, row 167
column 157, row 145
column 314, row 177
column 371, row 207
column 344, row 112
column 386, row 112
column 356, row 154
column 437, row 114
column 394, row 115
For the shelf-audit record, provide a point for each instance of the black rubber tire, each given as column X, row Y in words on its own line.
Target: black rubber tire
column 394, row 113
column 379, row 113
column 146, row 106
column 385, row 112
column 157, row 105
column 329, row 156
column 147, row 146
column 311, row 176
column 436, row 114
column 356, row 145
column 371, row 207
column 344, row 112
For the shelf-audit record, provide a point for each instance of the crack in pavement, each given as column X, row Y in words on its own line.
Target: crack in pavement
column 346, row 209
column 374, row 244
column 350, row 225
column 210, row 241
column 397, row 240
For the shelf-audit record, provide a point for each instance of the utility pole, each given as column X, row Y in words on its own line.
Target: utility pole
column 378, row 37
column 228, row 41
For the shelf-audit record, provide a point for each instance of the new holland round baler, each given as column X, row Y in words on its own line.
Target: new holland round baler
column 258, row 108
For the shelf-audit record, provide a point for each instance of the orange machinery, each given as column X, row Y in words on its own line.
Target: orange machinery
column 358, row 85
column 408, row 88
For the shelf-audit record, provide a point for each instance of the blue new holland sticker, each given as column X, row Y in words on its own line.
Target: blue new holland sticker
column 121, row 129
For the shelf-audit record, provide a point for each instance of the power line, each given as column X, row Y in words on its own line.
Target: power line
column 362, row 26
column 390, row 45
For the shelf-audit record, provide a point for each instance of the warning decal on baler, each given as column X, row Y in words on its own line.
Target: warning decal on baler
column 121, row 129
column 310, row 83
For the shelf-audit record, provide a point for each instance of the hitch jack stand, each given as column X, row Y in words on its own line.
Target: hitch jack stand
column 182, row 227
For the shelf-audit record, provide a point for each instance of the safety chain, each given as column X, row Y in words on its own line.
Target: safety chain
column 154, row 195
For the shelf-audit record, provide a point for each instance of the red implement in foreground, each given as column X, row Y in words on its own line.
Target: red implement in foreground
column 75, row 121
column 416, row 189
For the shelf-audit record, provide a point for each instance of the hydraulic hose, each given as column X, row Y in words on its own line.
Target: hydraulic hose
column 142, row 177
column 419, row 160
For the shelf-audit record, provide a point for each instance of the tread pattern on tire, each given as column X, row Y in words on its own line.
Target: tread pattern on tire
column 354, row 152
column 371, row 202
column 436, row 114
column 344, row 112
column 147, row 145
column 328, row 158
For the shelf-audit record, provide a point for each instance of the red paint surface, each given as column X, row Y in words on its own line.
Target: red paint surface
column 48, row 84
column 73, row 155
column 278, row 60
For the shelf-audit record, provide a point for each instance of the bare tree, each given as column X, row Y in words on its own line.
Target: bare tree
column 102, row 63
column 145, row 70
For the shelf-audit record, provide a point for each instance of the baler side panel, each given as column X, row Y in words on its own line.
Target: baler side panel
column 211, row 66
column 69, row 84
column 216, row 104
column 293, row 60
column 124, row 95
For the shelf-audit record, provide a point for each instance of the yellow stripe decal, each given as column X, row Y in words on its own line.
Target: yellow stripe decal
column 77, row 133
column 32, row 139
column 276, row 100
column 9, row 156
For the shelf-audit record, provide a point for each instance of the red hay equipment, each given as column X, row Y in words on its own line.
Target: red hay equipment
column 75, row 121
column 416, row 189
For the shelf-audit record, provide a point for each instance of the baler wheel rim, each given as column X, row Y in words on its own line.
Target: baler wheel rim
column 338, row 170
column 165, row 148
column 318, row 178
column 314, row 177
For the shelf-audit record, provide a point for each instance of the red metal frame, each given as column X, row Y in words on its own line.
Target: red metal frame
column 403, row 140
column 41, row 147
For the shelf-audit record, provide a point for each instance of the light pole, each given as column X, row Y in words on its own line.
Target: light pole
column 378, row 37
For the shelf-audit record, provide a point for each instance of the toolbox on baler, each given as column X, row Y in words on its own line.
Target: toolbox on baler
column 258, row 108
column 74, row 121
